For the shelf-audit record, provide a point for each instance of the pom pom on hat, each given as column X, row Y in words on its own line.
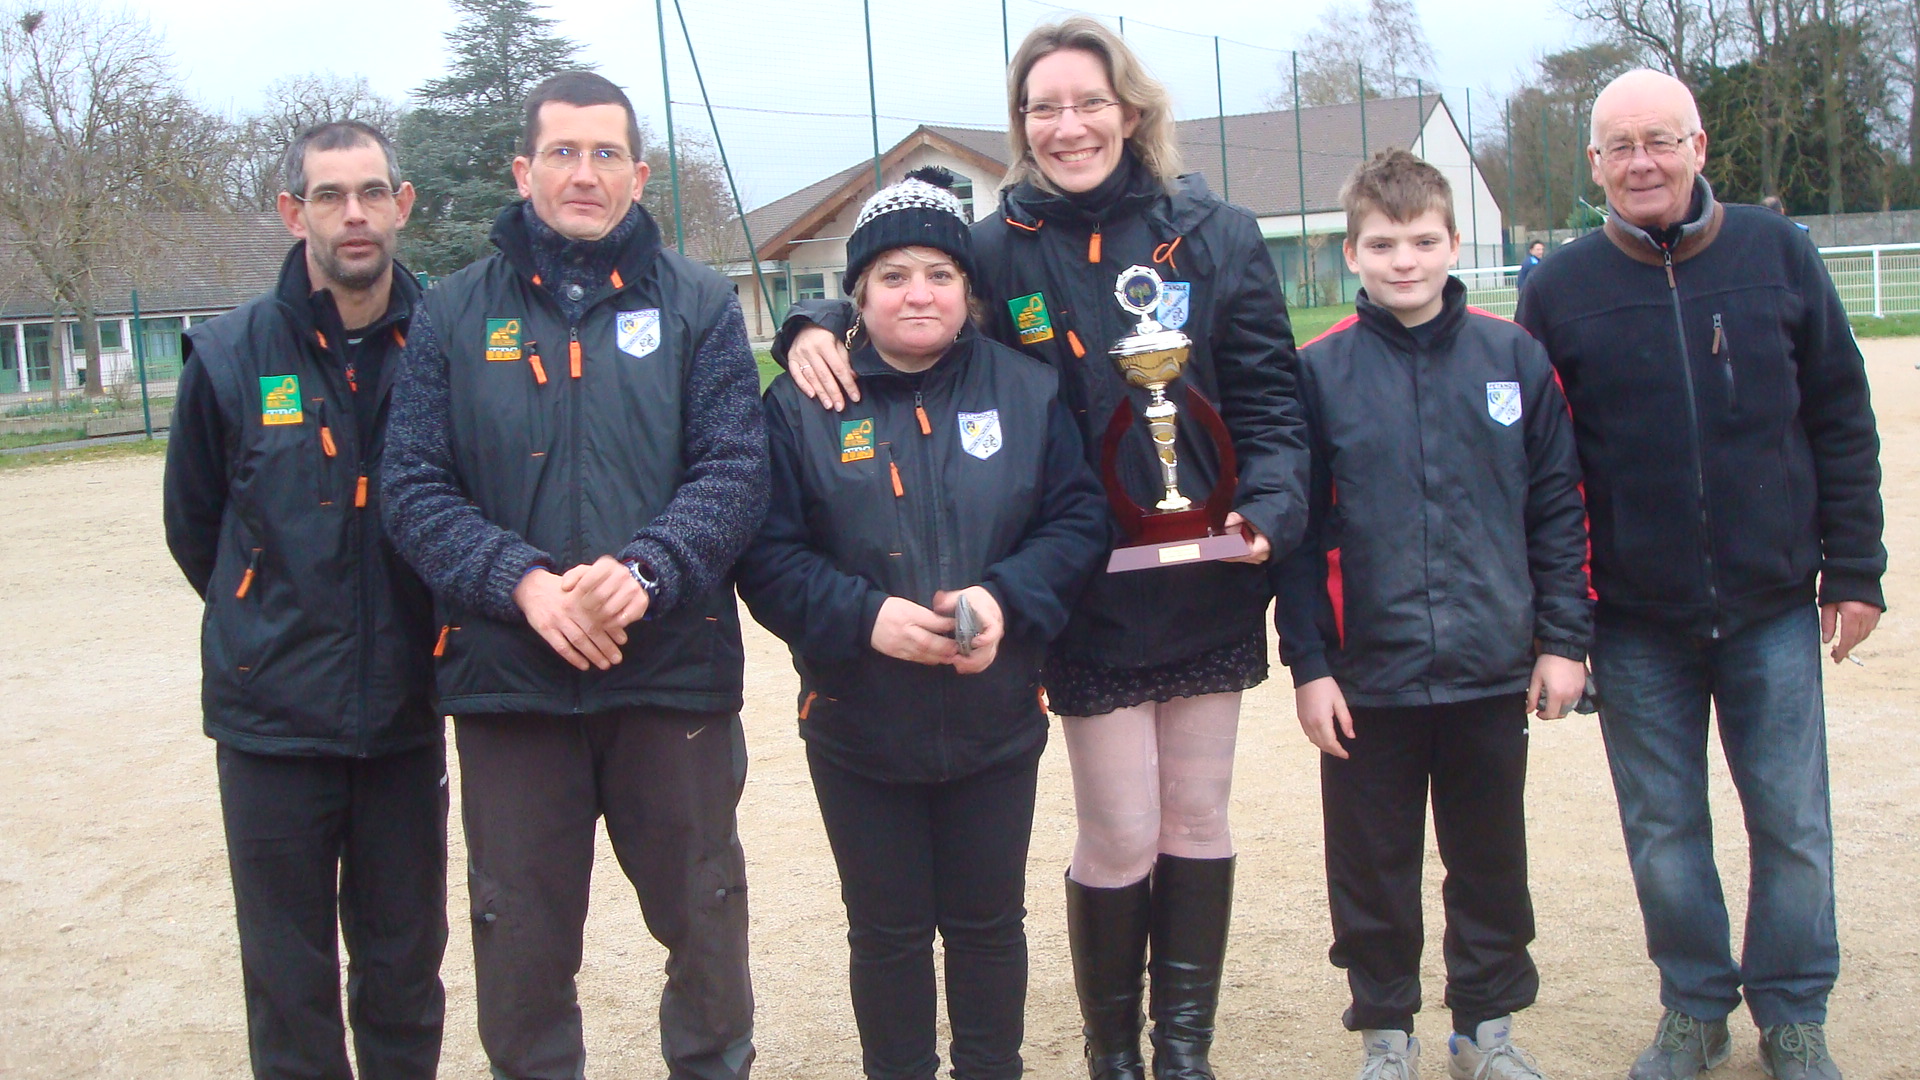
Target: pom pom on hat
column 919, row 211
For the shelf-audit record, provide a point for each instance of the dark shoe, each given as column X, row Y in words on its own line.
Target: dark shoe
column 1107, row 932
column 1192, row 900
column 1682, row 1048
column 1797, row 1052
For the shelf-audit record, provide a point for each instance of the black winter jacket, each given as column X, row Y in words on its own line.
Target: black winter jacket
column 525, row 438
column 1035, row 257
column 1721, row 409
column 316, row 635
column 994, row 490
column 1448, row 540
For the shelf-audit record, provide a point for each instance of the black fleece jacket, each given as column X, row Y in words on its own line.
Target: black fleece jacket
column 1722, row 414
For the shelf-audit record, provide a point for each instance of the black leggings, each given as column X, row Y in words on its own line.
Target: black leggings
column 916, row 857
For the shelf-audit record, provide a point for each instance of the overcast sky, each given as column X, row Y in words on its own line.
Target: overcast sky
column 792, row 78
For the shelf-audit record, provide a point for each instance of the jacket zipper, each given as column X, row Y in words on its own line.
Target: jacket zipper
column 573, row 466
column 1693, row 431
column 931, row 496
column 1723, row 346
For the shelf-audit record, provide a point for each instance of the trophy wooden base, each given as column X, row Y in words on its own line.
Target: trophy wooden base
column 1177, row 552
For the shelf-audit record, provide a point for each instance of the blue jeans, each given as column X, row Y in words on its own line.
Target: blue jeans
column 1765, row 685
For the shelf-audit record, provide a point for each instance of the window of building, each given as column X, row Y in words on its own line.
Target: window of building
column 809, row 286
column 110, row 339
column 964, row 189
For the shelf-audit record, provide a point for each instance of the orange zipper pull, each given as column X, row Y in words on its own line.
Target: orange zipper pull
column 1093, row 247
column 246, row 579
column 573, row 351
column 360, row 494
column 1073, row 339
column 539, row 369
column 327, row 445
column 898, row 491
column 926, row 428
column 440, row 647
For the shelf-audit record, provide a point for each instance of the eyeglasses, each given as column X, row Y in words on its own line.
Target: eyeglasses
column 604, row 159
column 333, row 200
column 1620, row 151
column 1046, row 112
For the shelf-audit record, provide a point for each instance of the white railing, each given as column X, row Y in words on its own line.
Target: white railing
column 1872, row 279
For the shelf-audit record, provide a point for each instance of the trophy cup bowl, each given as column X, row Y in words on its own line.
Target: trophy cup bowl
column 1174, row 531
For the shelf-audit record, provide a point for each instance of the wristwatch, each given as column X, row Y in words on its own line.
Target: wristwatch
column 639, row 571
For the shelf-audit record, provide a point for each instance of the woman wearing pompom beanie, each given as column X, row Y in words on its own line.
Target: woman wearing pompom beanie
column 919, row 553
column 1148, row 675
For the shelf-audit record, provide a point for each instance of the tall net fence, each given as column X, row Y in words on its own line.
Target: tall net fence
column 802, row 125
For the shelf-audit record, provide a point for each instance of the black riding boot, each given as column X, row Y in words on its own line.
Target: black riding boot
column 1107, row 931
column 1192, row 899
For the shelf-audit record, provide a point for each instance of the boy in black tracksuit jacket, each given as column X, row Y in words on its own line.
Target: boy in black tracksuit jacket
column 1440, row 592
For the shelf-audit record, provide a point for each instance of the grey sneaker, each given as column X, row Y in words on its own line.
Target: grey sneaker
column 1797, row 1052
column 1391, row 1055
column 1682, row 1048
column 1490, row 1055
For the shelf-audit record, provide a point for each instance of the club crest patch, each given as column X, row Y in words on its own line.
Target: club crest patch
column 280, row 400
column 856, row 440
column 638, row 331
column 1030, row 318
column 1503, row 402
column 1175, row 301
column 503, row 340
column 980, row 433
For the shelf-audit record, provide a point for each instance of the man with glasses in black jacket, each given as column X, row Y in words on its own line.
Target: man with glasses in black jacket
column 317, row 683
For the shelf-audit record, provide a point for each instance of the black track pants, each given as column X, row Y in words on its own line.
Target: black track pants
column 1474, row 756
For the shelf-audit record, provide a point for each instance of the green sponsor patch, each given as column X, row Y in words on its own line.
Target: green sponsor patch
column 1030, row 318
column 280, row 400
column 856, row 439
column 503, row 339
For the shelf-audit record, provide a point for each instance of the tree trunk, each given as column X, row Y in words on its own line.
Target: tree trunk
column 94, row 383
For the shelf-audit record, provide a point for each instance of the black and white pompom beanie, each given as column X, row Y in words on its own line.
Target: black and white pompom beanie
column 919, row 211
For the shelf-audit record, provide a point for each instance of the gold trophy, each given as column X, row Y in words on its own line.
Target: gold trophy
column 1174, row 531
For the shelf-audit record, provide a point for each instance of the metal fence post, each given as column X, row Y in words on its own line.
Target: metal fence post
column 1473, row 166
column 673, row 152
column 1220, row 101
column 873, row 96
column 1878, row 312
column 140, row 361
column 1300, row 172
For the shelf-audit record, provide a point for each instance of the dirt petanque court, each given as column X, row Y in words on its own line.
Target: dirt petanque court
column 118, row 956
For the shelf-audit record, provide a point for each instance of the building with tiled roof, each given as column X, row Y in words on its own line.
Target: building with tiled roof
column 1292, row 185
column 216, row 263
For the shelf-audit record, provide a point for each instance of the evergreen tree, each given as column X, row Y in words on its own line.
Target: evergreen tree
column 459, row 141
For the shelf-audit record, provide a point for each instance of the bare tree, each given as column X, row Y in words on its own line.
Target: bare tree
column 1381, row 47
column 98, row 148
column 1675, row 34
column 294, row 104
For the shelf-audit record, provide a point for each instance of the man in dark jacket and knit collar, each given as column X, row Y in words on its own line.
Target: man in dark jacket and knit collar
column 578, row 458
column 1733, row 479
column 316, row 675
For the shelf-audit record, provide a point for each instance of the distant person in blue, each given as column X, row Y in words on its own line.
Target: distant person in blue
column 1536, row 253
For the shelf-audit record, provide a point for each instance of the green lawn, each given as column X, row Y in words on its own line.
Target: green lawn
column 13, row 440
column 1867, row 326
column 136, row 448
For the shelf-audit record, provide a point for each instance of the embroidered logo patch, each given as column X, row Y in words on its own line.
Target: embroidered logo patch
column 503, row 339
column 1030, row 318
column 280, row 400
column 1503, row 402
column 1175, row 301
column 638, row 331
column 980, row 433
column 856, row 440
